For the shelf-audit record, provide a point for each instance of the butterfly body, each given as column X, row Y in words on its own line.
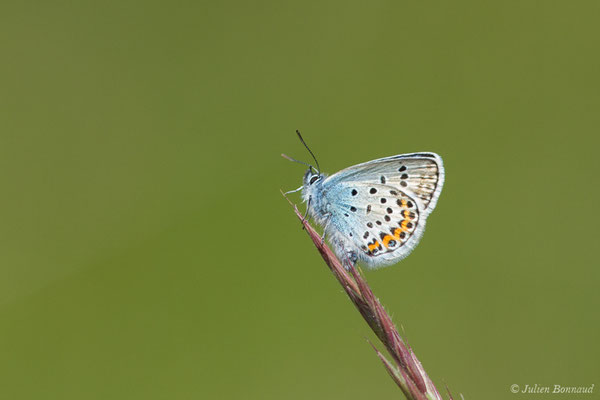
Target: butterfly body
column 375, row 212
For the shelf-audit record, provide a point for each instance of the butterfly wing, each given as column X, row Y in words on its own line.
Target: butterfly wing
column 420, row 175
column 381, row 206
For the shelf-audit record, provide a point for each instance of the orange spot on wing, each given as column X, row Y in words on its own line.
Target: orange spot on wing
column 386, row 239
column 374, row 246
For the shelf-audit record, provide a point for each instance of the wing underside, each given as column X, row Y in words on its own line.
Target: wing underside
column 381, row 206
column 419, row 175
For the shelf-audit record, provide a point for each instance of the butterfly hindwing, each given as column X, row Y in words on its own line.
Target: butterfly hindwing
column 381, row 221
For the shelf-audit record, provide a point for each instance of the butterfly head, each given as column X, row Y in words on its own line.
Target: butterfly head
column 312, row 186
column 311, row 178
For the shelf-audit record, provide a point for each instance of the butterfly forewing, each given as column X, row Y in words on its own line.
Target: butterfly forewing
column 419, row 175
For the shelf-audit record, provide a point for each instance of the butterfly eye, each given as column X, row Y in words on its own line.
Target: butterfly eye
column 313, row 179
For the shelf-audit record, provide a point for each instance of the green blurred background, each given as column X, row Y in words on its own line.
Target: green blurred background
column 146, row 252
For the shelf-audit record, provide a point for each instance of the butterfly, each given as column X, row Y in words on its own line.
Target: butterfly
column 374, row 213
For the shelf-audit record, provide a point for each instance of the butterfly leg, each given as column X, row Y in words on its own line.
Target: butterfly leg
column 350, row 260
column 325, row 228
column 295, row 190
column 353, row 257
column 306, row 214
column 349, row 257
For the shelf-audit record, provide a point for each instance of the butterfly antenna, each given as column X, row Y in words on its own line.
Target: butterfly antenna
column 311, row 153
column 294, row 160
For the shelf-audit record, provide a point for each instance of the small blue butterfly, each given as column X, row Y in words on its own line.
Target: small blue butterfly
column 374, row 212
